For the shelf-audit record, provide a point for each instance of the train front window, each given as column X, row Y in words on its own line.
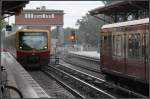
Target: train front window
column 33, row 40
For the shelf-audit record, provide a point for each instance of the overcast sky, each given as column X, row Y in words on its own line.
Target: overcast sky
column 73, row 9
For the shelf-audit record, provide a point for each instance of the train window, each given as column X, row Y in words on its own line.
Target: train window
column 49, row 16
column 46, row 15
column 31, row 16
column 33, row 40
column 117, row 45
column 134, row 46
column 28, row 16
column 43, row 15
column 105, row 38
column 53, row 16
column 104, row 45
column 34, row 16
column 25, row 15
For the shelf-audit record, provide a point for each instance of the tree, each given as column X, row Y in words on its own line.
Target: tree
column 2, row 23
column 89, row 30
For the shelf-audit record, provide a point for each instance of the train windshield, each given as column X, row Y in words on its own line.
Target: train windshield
column 33, row 40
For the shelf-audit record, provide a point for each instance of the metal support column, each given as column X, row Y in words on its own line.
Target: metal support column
column 149, row 47
column 61, row 35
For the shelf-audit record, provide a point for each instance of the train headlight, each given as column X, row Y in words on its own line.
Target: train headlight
column 45, row 47
column 20, row 47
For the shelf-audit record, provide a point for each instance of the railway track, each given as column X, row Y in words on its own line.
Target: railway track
column 86, row 63
column 83, row 85
column 50, row 86
column 89, row 67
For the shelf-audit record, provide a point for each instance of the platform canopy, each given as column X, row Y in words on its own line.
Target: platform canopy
column 13, row 7
column 121, row 6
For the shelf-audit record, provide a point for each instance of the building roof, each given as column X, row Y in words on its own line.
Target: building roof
column 13, row 7
column 45, row 11
column 121, row 6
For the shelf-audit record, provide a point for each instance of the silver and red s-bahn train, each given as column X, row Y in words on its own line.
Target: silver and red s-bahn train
column 124, row 53
column 31, row 47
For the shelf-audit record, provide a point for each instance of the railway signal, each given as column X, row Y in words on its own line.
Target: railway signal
column 72, row 38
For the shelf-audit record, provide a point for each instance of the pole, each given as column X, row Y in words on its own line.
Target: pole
column 149, row 47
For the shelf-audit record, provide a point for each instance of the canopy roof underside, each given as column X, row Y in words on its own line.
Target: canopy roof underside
column 121, row 6
column 13, row 7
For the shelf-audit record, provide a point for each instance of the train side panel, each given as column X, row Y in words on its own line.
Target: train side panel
column 135, row 60
column 123, row 52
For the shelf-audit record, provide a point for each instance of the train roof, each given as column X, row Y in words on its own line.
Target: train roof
column 127, row 23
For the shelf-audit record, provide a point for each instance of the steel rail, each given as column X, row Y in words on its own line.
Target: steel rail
column 85, row 57
column 73, row 92
column 101, row 81
column 82, row 66
column 102, row 93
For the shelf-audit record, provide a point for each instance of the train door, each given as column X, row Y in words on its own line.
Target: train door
column 135, row 66
column 118, row 55
column 105, row 51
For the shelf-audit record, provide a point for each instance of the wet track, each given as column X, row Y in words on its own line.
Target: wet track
column 52, row 88
column 87, row 85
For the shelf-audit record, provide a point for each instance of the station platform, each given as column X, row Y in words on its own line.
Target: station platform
column 90, row 54
column 18, row 77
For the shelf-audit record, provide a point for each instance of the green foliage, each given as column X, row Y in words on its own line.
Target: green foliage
column 89, row 30
column 2, row 24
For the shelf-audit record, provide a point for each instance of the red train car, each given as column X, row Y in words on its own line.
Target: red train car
column 33, row 47
column 124, row 50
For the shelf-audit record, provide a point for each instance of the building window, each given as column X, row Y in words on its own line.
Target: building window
column 143, row 14
column 130, row 16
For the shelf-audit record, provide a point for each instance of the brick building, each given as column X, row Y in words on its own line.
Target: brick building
column 42, row 18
